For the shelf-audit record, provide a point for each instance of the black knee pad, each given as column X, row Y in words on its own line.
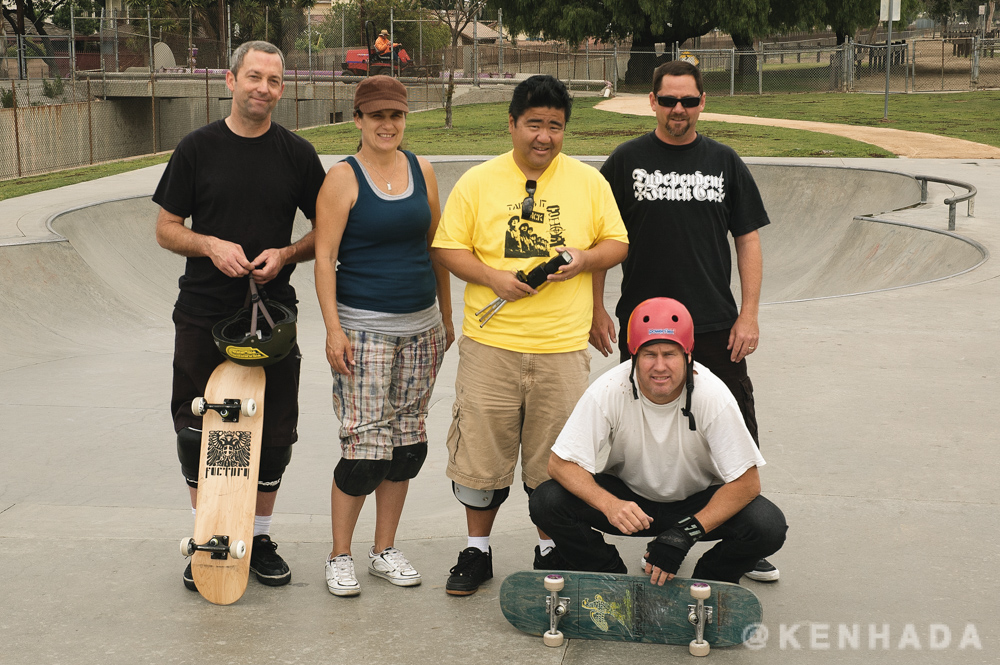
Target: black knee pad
column 360, row 477
column 189, row 452
column 406, row 462
column 273, row 462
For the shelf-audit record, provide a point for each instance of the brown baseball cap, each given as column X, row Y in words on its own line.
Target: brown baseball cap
column 380, row 92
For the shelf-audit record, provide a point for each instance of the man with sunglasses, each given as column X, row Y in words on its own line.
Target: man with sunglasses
column 681, row 194
column 523, row 358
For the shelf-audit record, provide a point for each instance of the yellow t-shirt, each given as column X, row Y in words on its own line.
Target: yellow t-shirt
column 574, row 207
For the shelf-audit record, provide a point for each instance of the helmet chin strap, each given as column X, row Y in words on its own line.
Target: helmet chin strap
column 690, row 386
column 689, row 382
column 258, row 304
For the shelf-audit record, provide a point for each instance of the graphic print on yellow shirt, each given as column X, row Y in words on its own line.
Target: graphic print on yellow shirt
column 573, row 207
column 536, row 236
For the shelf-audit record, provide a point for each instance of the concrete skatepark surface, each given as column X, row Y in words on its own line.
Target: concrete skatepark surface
column 876, row 414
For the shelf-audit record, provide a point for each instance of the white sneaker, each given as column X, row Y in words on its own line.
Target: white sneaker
column 340, row 577
column 393, row 566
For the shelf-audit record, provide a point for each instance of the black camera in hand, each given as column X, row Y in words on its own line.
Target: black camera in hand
column 539, row 273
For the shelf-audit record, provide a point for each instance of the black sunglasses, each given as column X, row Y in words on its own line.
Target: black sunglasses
column 528, row 204
column 670, row 102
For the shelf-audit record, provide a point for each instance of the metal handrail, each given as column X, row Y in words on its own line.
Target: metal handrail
column 952, row 202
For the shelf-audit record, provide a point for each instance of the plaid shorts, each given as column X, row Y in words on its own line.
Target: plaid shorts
column 384, row 403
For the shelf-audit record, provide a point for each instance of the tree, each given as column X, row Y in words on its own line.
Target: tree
column 647, row 21
column 81, row 27
column 278, row 21
column 846, row 17
column 456, row 15
column 344, row 23
column 35, row 12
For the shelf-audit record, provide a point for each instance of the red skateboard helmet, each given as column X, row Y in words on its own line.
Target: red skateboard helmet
column 660, row 318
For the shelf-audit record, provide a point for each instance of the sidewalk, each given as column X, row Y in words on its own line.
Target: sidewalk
column 913, row 145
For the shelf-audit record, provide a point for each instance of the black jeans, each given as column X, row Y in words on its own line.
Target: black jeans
column 755, row 532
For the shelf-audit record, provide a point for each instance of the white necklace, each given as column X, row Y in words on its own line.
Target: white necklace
column 395, row 162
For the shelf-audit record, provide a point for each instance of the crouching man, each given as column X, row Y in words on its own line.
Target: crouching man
column 681, row 465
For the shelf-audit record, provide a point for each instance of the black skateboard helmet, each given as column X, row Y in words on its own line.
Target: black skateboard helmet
column 260, row 334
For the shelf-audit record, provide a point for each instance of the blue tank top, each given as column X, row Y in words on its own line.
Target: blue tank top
column 384, row 263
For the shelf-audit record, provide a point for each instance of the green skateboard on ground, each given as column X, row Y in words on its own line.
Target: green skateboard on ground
column 628, row 608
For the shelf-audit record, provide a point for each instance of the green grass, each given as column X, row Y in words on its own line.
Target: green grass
column 481, row 129
column 46, row 181
column 967, row 115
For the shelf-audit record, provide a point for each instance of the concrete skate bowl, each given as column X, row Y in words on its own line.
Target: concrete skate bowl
column 826, row 238
column 818, row 245
column 112, row 281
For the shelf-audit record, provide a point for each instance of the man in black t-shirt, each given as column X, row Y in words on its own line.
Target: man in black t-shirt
column 681, row 194
column 240, row 180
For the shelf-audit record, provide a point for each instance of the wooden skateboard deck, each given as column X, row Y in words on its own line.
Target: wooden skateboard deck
column 227, row 481
column 628, row 608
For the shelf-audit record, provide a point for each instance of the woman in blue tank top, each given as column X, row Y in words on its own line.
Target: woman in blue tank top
column 387, row 310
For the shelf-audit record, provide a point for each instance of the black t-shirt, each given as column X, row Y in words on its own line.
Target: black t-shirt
column 678, row 203
column 244, row 190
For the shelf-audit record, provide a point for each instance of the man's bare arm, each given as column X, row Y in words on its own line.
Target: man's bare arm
column 626, row 516
column 730, row 499
column 745, row 334
column 602, row 327
column 227, row 256
column 467, row 267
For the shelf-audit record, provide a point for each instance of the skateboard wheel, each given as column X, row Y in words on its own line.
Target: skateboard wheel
column 187, row 546
column 238, row 550
column 553, row 639
column 554, row 583
column 198, row 406
column 699, row 648
column 701, row 591
column 248, row 408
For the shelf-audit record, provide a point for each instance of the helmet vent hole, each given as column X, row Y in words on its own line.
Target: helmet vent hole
column 645, row 319
column 675, row 319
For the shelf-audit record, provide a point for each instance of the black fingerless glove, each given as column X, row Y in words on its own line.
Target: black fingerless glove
column 668, row 550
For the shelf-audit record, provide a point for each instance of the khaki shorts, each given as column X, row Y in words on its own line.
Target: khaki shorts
column 508, row 402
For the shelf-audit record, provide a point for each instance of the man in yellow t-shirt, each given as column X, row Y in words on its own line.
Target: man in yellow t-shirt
column 521, row 374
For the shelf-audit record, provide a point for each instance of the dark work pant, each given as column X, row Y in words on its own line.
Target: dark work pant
column 710, row 350
column 752, row 534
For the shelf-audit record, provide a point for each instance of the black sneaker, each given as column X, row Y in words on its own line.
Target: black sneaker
column 265, row 563
column 189, row 579
column 473, row 568
column 763, row 572
column 551, row 561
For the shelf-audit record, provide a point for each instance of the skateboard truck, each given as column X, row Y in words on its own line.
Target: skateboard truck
column 557, row 607
column 700, row 615
column 218, row 545
column 230, row 409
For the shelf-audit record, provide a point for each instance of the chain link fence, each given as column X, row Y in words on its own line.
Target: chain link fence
column 123, row 86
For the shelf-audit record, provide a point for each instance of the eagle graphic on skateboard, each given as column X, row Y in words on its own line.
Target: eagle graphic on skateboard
column 232, row 421
column 629, row 608
column 232, row 411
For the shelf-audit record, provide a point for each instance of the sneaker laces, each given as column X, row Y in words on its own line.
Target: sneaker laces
column 343, row 567
column 467, row 559
column 397, row 560
column 264, row 547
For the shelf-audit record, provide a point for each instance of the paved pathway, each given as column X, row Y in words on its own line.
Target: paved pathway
column 900, row 142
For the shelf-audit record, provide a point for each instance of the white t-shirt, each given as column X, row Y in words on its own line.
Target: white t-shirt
column 651, row 446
